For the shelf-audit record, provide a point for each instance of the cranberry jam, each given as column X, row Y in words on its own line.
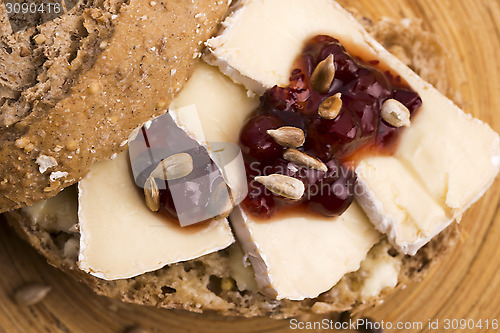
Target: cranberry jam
column 187, row 199
column 357, row 126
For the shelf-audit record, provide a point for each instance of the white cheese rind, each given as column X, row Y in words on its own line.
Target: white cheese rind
column 217, row 100
column 268, row 35
column 122, row 238
column 454, row 155
column 397, row 204
column 301, row 256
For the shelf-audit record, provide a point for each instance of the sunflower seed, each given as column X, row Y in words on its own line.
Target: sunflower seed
column 330, row 107
column 323, row 74
column 31, row 293
column 288, row 187
column 288, row 136
column 174, row 167
column 300, row 158
column 152, row 194
column 395, row 113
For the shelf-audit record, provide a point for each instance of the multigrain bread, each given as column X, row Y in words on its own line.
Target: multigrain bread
column 72, row 89
column 208, row 283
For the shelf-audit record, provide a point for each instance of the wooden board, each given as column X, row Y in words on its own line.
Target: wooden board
column 464, row 286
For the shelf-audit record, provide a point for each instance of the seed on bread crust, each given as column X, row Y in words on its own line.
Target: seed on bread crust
column 40, row 39
column 94, row 87
column 288, row 187
column 288, row 136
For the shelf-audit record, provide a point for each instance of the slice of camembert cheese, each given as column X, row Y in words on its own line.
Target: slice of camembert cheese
column 385, row 185
column 261, row 39
column 452, row 157
column 304, row 255
column 122, row 238
column 301, row 255
column 222, row 106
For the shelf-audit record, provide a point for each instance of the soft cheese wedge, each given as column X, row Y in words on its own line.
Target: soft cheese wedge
column 296, row 248
column 297, row 256
column 452, row 157
column 122, row 238
column 222, row 106
column 393, row 200
column 218, row 108
column 261, row 39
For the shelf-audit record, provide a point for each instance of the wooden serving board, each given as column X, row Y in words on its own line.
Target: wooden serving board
column 466, row 285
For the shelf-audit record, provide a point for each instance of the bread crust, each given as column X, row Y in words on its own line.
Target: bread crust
column 149, row 56
column 192, row 285
column 195, row 285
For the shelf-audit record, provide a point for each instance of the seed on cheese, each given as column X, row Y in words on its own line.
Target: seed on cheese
column 449, row 158
column 152, row 194
column 174, row 167
column 330, row 107
column 222, row 108
column 122, row 238
column 323, row 74
column 288, row 187
column 303, row 159
column 395, row 113
column 288, row 136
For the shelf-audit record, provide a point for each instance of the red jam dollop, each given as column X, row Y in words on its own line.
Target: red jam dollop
column 358, row 126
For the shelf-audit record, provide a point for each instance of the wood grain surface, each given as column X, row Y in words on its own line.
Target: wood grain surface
column 466, row 285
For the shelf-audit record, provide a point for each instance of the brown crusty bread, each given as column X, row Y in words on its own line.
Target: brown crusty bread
column 207, row 283
column 72, row 89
